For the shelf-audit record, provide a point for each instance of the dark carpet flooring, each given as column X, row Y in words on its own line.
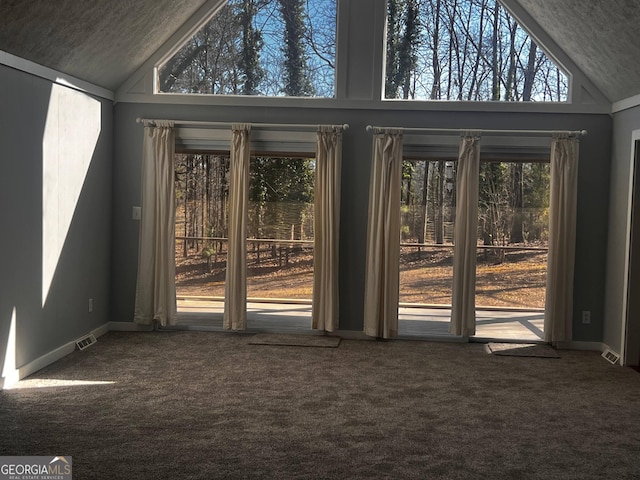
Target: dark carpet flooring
column 196, row 405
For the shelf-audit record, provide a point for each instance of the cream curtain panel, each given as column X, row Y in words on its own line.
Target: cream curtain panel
column 235, row 289
column 465, row 235
column 558, row 313
column 324, row 314
column 382, row 274
column 156, row 284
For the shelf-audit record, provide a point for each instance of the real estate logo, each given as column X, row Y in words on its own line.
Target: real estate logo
column 36, row 468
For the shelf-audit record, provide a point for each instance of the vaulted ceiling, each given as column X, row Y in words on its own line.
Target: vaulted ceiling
column 100, row 41
column 600, row 36
column 106, row 41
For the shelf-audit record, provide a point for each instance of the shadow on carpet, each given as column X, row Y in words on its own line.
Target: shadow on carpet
column 291, row 340
column 522, row 350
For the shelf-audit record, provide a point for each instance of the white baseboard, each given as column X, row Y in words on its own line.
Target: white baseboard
column 48, row 358
column 571, row 345
column 129, row 327
column 101, row 330
column 64, row 350
column 352, row 335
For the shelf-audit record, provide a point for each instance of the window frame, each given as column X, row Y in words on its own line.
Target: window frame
column 358, row 80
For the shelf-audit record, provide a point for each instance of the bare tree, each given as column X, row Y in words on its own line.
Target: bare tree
column 435, row 59
column 471, row 50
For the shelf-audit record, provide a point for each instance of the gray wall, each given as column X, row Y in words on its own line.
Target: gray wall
column 624, row 123
column 83, row 268
column 592, row 196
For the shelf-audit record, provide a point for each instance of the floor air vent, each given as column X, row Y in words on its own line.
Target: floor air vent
column 85, row 342
column 610, row 356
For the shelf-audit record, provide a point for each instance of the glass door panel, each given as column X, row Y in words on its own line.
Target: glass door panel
column 513, row 236
column 202, row 207
column 426, row 246
column 280, row 240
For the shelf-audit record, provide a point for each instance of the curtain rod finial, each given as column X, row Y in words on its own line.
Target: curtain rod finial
column 138, row 120
column 583, row 132
column 369, row 128
column 345, row 126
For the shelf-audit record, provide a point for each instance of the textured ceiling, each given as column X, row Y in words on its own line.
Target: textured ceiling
column 101, row 41
column 600, row 36
column 106, row 41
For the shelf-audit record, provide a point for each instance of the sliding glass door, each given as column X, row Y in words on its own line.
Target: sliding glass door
column 427, row 219
column 279, row 238
column 511, row 263
column 202, row 208
column 280, row 241
column 512, row 238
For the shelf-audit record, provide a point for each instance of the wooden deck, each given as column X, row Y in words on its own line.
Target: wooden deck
column 414, row 322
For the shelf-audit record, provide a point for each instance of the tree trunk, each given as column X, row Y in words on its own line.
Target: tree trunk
column 297, row 83
column 409, row 46
column 185, row 249
column 495, row 89
column 436, row 88
column 479, row 49
column 453, row 47
column 439, row 220
column 510, row 90
column 393, row 34
column 530, row 72
column 516, row 235
column 251, row 44
column 422, row 230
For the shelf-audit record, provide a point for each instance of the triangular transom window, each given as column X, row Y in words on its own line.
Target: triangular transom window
column 258, row 47
column 469, row 50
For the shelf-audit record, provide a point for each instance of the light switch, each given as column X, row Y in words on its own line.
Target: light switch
column 136, row 213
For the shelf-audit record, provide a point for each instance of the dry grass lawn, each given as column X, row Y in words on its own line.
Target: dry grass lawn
column 516, row 281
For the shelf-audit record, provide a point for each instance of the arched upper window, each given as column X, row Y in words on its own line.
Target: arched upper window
column 258, row 47
column 467, row 50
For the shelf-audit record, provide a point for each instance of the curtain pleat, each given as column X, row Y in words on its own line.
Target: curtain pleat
column 558, row 313
column 463, row 303
column 326, row 228
column 155, row 285
column 382, row 275
column 235, row 297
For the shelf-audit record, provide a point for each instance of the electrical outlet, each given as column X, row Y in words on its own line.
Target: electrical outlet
column 586, row 317
column 90, row 305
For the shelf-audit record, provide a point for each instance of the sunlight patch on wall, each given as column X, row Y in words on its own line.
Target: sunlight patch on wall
column 10, row 373
column 70, row 136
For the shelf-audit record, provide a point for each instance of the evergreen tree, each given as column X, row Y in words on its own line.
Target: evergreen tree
column 297, row 82
column 393, row 47
column 403, row 38
column 252, row 72
column 408, row 46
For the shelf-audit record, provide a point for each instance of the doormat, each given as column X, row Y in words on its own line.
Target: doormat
column 522, row 350
column 295, row 340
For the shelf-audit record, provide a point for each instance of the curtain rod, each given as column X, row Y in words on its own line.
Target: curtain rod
column 344, row 126
column 576, row 133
